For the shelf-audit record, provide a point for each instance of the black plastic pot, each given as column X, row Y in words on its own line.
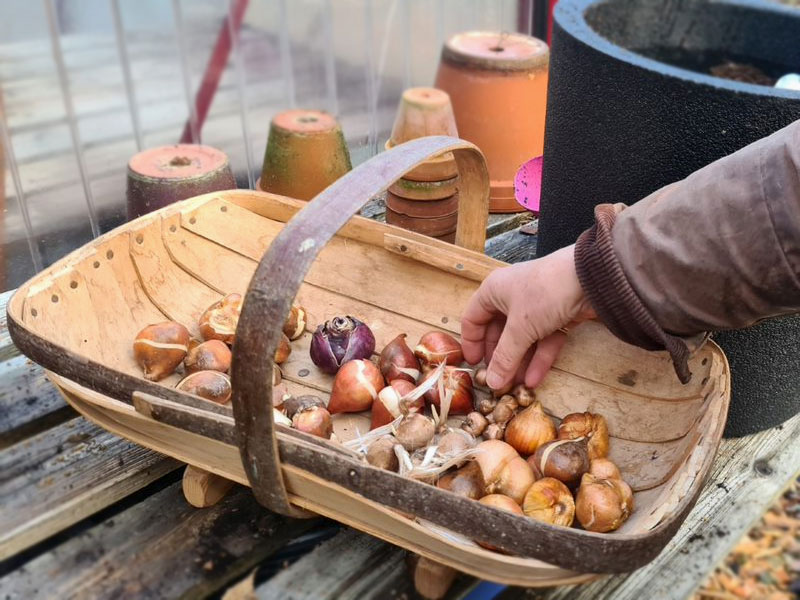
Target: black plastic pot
column 626, row 116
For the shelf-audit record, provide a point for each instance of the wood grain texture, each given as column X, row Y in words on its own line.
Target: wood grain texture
column 159, row 548
column 60, row 476
column 203, row 489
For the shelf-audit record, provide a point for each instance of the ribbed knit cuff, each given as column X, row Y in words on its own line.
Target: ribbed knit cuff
column 614, row 300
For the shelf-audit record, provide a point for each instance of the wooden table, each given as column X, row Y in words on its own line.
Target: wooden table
column 84, row 514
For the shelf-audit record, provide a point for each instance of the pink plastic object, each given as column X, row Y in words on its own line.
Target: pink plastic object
column 528, row 184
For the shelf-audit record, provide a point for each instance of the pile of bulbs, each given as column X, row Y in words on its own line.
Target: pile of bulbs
column 503, row 451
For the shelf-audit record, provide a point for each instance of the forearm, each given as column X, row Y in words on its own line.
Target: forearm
column 720, row 249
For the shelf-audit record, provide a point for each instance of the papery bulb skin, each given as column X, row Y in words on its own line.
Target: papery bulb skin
column 504, row 471
column 414, row 431
column 340, row 340
column 381, row 454
column 455, row 442
column 295, row 324
column 283, row 351
column 211, row 385
column 529, row 429
column 602, row 468
column 524, row 395
column 550, row 501
column 398, row 361
column 436, row 347
column 458, row 382
column 355, row 387
column 315, row 420
column 213, row 355
column 219, row 321
column 603, row 505
column 466, row 481
column 592, row 427
column 475, row 423
column 389, row 404
column 504, row 410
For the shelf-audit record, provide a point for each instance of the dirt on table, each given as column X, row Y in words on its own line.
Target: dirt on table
column 765, row 564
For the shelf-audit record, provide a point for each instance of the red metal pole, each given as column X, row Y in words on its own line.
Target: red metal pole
column 215, row 67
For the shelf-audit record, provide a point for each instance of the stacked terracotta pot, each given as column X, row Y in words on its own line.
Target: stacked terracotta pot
column 498, row 83
column 425, row 200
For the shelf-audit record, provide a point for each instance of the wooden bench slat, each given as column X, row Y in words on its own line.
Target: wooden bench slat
column 159, row 548
column 60, row 476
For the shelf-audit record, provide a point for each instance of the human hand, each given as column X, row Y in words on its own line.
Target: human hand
column 513, row 320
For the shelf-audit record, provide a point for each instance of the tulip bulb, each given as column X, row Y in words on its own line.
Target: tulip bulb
column 315, row 420
column 213, row 355
column 500, row 502
column 455, row 442
column 339, row 341
column 565, row 460
column 504, row 471
column 504, row 410
column 283, row 351
column 550, row 501
column 457, row 384
column 525, row 396
column 381, row 454
column 160, row 348
column 355, row 387
column 480, row 376
column 220, row 319
column 603, row 505
column 298, row 404
column 485, row 405
column 436, row 347
column 466, row 481
column 211, row 385
column 494, row 431
column 414, row 431
column 529, row 429
column 586, row 425
column 390, row 404
column 602, row 468
column 398, row 361
column 295, row 324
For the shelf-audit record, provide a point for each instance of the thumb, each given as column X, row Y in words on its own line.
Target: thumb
column 511, row 348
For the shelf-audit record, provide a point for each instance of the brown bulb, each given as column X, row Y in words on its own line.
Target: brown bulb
column 211, row 385
column 283, row 351
column 603, row 505
column 474, row 423
column 355, row 387
column 485, row 405
column 459, row 384
column 565, row 460
column 160, row 348
column 525, row 396
column 466, row 481
column 504, row 471
column 602, row 468
column 586, row 425
column 529, row 429
column 494, row 431
column 398, row 361
column 454, row 443
column 504, row 410
column 500, row 502
column 550, row 501
column 480, row 377
column 315, row 420
column 295, row 324
column 381, row 454
column 213, row 355
column 436, row 347
column 390, row 404
column 414, row 431
column 220, row 319
column 297, row 404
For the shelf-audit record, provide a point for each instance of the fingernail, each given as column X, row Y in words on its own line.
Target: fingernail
column 493, row 380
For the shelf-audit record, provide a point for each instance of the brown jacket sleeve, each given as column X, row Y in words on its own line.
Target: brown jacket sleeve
column 717, row 250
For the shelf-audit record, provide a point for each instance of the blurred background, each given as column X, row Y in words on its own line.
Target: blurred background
column 85, row 84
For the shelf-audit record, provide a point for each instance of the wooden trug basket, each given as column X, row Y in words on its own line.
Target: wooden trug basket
column 79, row 318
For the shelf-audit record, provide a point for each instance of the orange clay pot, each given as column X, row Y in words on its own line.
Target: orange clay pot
column 414, row 208
column 424, row 111
column 433, row 226
column 424, row 190
column 160, row 176
column 306, row 152
column 498, row 86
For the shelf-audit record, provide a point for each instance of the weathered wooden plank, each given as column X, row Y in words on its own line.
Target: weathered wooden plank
column 28, row 402
column 512, row 246
column 351, row 565
column 159, row 548
column 60, row 476
column 749, row 473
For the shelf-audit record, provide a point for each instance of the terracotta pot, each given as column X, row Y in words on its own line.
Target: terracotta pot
column 306, row 152
column 435, row 226
column 160, row 176
column 415, row 208
column 498, row 87
column 435, row 169
column 423, row 111
column 424, row 190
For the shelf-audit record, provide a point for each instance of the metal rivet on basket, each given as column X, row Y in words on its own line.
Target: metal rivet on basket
column 73, row 284
column 192, row 220
column 34, row 312
column 445, row 319
column 96, row 264
column 173, row 229
column 54, row 298
column 139, row 238
column 403, row 248
column 223, row 208
column 460, row 267
column 110, row 254
column 705, row 361
column 303, row 373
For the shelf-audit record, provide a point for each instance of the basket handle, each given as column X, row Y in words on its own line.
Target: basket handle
column 283, row 268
